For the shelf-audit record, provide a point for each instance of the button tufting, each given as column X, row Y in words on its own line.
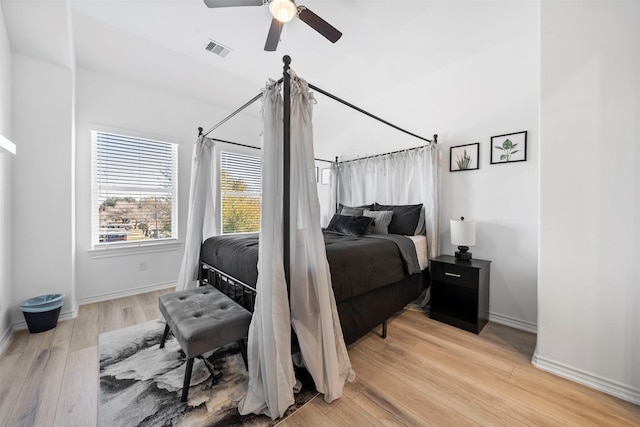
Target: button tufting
column 197, row 315
column 182, row 298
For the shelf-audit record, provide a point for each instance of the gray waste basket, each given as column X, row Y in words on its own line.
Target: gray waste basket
column 41, row 312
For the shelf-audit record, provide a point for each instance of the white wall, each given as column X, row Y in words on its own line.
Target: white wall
column 123, row 105
column 5, row 186
column 589, row 283
column 490, row 93
column 500, row 96
column 43, row 244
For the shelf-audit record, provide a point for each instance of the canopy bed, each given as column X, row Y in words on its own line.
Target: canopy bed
column 330, row 286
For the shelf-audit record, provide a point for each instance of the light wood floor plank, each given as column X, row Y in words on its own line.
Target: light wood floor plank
column 148, row 298
column 127, row 302
column 23, row 341
column 462, row 389
column 393, row 386
column 86, row 327
column 603, row 409
column 465, row 373
column 60, row 336
column 308, row 416
column 111, row 316
column 380, row 408
column 346, row 412
column 133, row 316
column 38, row 400
column 81, row 373
column 13, row 371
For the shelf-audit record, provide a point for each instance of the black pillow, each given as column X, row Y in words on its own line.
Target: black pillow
column 351, row 225
column 351, row 209
column 405, row 217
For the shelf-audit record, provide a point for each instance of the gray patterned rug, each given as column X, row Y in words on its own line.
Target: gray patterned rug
column 140, row 383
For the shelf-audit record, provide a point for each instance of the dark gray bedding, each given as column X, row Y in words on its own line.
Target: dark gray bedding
column 358, row 264
column 407, row 250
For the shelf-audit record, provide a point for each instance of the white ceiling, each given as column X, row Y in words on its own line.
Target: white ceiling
column 161, row 42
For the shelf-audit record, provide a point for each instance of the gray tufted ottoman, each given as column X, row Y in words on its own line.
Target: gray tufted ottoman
column 202, row 320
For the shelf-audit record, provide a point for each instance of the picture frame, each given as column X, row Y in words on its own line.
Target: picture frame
column 325, row 176
column 464, row 157
column 509, row 148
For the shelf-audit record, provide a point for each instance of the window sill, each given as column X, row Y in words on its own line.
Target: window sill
column 107, row 251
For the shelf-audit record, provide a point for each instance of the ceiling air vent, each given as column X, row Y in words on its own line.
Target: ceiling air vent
column 217, row 48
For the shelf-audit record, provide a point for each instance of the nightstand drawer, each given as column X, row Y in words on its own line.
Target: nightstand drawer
column 454, row 274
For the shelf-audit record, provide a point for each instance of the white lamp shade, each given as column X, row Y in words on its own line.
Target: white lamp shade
column 283, row 10
column 463, row 233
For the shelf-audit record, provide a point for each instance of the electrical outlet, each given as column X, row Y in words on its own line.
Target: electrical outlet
column 143, row 266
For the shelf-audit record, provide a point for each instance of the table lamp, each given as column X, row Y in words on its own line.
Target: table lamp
column 463, row 234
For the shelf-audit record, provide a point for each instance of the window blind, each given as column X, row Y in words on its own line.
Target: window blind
column 134, row 189
column 240, row 192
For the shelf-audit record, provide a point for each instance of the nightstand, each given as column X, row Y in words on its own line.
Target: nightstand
column 460, row 292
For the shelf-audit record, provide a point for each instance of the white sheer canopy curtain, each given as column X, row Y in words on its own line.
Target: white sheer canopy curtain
column 407, row 177
column 200, row 220
column 313, row 307
column 271, row 376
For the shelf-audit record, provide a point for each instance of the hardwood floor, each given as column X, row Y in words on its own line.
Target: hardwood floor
column 425, row 373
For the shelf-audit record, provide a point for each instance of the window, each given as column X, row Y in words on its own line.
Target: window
column 134, row 198
column 240, row 192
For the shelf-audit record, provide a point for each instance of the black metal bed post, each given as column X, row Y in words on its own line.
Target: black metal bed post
column 335, row 176
column 286, row 170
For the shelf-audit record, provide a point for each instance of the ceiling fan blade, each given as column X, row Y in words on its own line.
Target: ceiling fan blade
column 233, row 3
column 319, row 24
column 274, row 35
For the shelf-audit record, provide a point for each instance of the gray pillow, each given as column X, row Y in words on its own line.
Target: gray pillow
column 382, row 218
column 421, row 227
column 349, row 211
column 357, row 212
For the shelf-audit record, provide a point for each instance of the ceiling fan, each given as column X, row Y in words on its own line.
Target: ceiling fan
column 283, row 11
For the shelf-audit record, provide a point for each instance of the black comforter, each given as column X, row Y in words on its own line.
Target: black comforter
column 358, row 264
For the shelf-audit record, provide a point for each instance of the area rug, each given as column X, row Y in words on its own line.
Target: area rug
column 141, row 384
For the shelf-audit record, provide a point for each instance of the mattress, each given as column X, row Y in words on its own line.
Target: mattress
column 358, row 264
column 420, row 243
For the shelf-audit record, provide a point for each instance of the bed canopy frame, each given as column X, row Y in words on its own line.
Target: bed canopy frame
column 286, row 81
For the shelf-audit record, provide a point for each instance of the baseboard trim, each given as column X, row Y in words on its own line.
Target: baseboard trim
column 5, row 340
column 125, row 293
column 612, row 388
column 513, row 322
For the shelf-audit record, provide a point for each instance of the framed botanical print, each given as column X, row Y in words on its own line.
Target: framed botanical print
column 509, row 148
column 464, row 157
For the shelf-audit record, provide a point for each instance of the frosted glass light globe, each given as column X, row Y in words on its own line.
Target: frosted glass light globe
column 283, row 10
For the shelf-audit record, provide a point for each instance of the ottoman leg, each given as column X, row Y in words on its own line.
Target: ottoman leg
column 187, row 380
column 243, row 351
column 164, row 335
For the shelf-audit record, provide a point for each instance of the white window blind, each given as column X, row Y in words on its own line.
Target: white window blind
column 135, row 194
column 240, row 192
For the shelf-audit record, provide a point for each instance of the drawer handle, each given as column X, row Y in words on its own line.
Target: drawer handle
column 452, row 274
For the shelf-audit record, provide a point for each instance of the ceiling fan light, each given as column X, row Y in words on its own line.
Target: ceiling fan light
column 283, row 10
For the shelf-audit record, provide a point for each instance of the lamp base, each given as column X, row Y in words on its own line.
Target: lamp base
column 463, row 253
